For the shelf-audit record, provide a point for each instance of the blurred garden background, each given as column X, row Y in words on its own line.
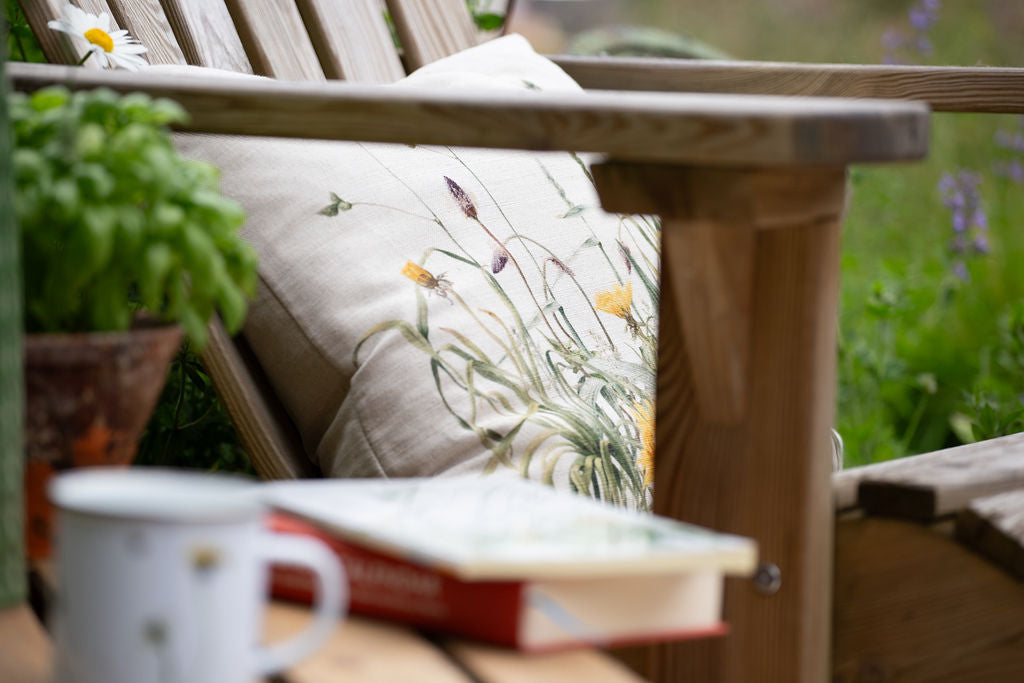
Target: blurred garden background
column 932, row 320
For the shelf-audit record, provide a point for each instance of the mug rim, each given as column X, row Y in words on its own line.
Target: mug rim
column 155, row 494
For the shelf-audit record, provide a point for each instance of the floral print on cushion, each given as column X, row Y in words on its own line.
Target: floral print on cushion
column 577, row 404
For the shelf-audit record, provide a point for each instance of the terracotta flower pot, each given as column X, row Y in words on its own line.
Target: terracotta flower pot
column 88, row 398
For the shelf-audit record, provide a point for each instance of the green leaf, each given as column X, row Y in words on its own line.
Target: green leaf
column 575, row 210
column 157, row 261
column 488, row 21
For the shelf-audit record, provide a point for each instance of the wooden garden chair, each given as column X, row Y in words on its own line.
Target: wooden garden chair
column 750, row 190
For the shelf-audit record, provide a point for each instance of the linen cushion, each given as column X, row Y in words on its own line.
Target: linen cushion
column 431, row 310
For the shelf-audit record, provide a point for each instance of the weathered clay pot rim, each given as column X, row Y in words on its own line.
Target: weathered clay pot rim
column 139, row 332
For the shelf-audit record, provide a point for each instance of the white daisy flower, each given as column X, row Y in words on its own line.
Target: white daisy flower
column 111, row 49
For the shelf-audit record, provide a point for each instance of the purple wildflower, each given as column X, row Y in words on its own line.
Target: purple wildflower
column 465, row 203
column 923, row 16
column 624, row 255
column 498, row 259
column 1012, row 142
column 962, row 196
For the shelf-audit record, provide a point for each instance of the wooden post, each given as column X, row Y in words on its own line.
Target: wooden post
column 746, row 382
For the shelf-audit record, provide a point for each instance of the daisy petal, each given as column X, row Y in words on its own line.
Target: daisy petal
column 131, row 49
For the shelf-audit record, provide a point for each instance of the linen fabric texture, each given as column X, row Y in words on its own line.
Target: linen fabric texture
column 431, row 310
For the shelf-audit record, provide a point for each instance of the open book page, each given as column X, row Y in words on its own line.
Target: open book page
column 503, row 527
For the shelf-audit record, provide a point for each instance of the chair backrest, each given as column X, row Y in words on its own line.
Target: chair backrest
column 286, row 39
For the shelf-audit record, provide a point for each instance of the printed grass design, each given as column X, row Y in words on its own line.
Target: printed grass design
column 589, row 402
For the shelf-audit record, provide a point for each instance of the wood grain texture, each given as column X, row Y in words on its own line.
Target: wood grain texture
column 275, row 39
column 146, row 21
column 713, row 289
column 489, row 664
column 911, row 605
column 206, row 33
column 352, row 40
column 362, row 650
column 994, row 528
column 265, row 430
column 765, row 475
column 695, row 129
column 26, row 651
column 951, row 89
column 431, row 29
column 934, row 485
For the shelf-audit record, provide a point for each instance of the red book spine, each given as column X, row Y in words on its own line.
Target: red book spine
column 390, row 588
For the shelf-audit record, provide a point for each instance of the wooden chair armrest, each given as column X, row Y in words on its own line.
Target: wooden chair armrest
column 739, row 130
column 945, row 88
column 933, row 485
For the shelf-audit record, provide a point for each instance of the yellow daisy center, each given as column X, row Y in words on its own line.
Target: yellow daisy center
column 98, row 36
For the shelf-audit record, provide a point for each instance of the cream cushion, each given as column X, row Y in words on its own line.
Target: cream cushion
column 428, row 310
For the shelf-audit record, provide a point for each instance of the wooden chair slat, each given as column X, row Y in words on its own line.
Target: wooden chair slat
column 146, row 21
column 275, row 39
column 911, row 604
column 264, row 428
column 926, row 487
column 994, row 526
column 206, row 33
column 352, row 40
column 431, row 29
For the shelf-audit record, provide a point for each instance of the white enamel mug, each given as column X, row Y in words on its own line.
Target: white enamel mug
column 162, row 578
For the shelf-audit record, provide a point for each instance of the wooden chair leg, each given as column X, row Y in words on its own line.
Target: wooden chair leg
column 746, row 385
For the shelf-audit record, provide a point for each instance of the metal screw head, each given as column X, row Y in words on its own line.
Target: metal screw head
column 767, row 579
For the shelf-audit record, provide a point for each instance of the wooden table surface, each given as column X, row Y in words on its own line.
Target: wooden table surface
column 368, row 650
column 360, row 649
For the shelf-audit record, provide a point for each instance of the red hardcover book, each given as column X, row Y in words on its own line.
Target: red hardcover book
column 436, row 559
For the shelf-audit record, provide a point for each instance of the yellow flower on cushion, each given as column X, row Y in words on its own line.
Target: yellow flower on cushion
column 616, row 301
column 111, row 48
column 644, row 414
column 423, row 277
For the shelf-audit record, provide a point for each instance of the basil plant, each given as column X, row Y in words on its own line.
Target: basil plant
column 115, row 223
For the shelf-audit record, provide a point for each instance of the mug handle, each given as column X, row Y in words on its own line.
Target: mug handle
column 330, row 598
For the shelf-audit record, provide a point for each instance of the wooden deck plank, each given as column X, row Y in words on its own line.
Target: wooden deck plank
column 945, row 88
column 26, row 652
column 712, row 130
column 994, row 527
column 362, row 650
column 938, row 484
column 498, row 665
